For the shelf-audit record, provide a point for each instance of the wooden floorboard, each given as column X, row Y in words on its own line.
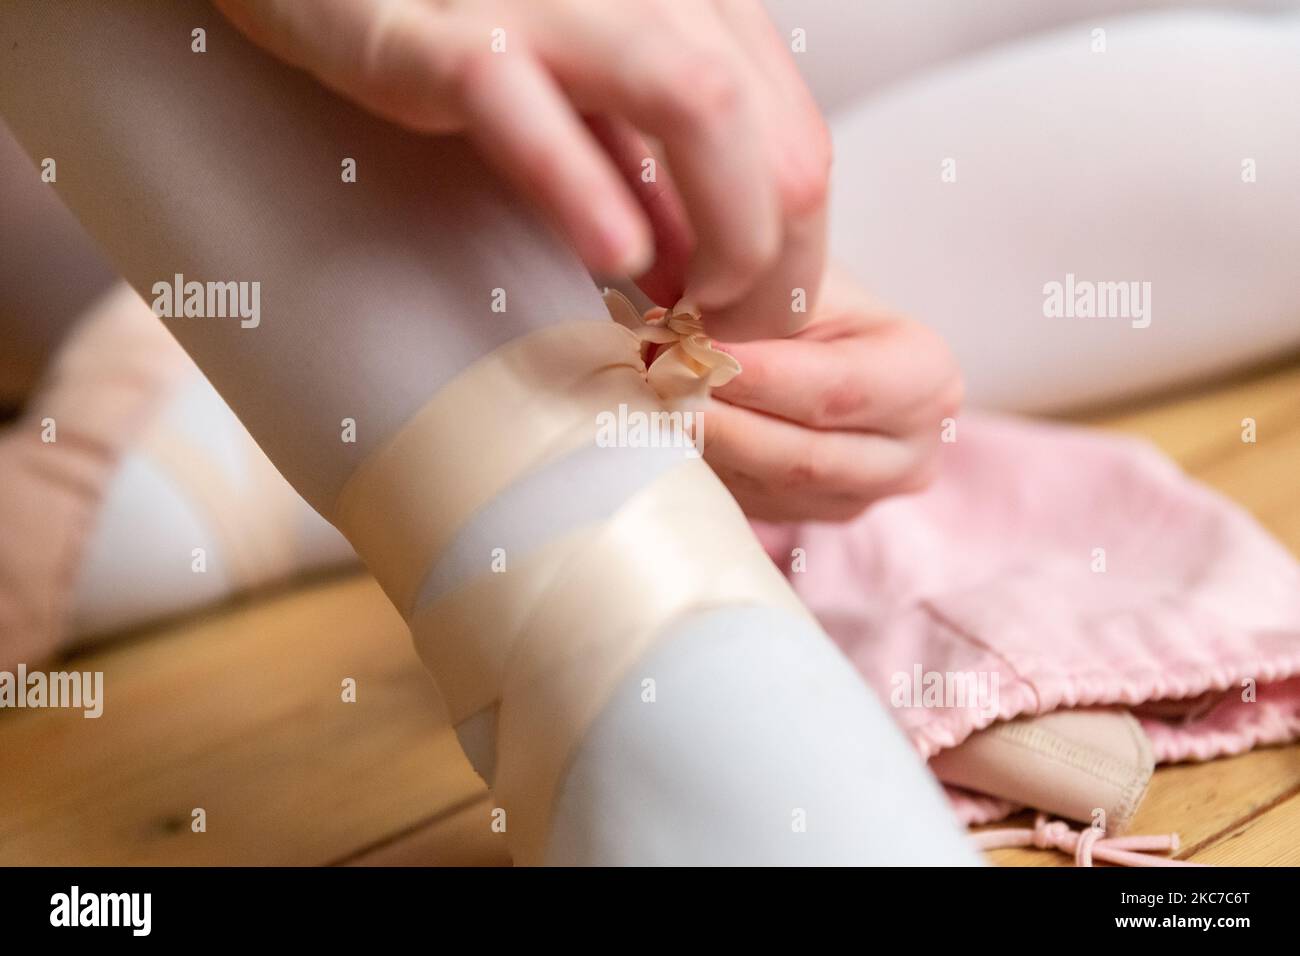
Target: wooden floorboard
column 242, row 715
column 1271, row 838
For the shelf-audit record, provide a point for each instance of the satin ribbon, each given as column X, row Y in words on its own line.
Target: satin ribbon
column 690, row 366
column 548, row 641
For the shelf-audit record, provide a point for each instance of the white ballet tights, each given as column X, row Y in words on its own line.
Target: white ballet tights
column 855, row 50
column 960, row 193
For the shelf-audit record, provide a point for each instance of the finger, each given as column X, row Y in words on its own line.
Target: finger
column 688, row 87
column 784, row 459
column 799, row 144
column 759, row 503
column 652, row 185
column 391, row 56
column 896, row 378
column 525, row 127
column 782, row 299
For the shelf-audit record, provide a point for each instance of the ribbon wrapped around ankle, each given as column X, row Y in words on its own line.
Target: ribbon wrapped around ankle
column 548, row 641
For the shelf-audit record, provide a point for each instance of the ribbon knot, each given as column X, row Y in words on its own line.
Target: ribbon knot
column 1086, row 845
column 1052, row 836
column 682, row 362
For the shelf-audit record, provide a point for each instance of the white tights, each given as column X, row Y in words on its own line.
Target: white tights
column 1116, row 166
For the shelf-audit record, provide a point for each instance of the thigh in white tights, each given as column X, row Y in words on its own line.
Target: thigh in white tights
column 1171, row 171
column 979, row 160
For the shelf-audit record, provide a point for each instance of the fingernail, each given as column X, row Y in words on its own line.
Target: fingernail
column 627, row 246
column 638, row 259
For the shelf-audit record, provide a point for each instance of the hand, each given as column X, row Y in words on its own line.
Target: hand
column 848, row 411
column 737, row 226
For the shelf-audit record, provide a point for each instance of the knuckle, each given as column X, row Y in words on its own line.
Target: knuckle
column 953, row 394
column 402, row 41
column 920, row 477
column 822, row 147
column 803, row 192
column 748, row 254
column 691, row 87
column 399, row 72
column 950, row 386
column 547, row 166
column 809, row 468
column 804, row 179
column 940, row 387
column 798, row 474
column 378, row 41
column 468, row 72
column 707, row 90
column 836, row 402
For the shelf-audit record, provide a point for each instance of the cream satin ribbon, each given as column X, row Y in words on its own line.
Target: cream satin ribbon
column 690, row 365
column 550, row 639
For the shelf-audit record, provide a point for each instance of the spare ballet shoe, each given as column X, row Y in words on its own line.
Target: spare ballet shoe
column 57, row 459
column 123, row 445
column 1092, row 766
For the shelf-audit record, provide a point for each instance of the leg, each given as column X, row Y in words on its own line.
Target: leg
column 377, row 294
column 1131, row 166
column 49, row 274
column 857, row 49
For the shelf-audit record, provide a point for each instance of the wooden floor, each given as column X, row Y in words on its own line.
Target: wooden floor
column 239, row 712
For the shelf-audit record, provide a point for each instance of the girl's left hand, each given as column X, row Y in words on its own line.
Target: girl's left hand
column 846, row 412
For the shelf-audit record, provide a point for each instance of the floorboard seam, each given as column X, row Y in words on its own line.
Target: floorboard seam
column 1245, row 821
column 411, row 830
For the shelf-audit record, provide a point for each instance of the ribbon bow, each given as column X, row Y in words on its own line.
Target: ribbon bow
column 689, row 365
column 1085, row 844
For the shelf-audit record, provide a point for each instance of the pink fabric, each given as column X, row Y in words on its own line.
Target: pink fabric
column 991, row 571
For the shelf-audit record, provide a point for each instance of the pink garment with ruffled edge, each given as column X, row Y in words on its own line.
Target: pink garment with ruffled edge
column 991, row 570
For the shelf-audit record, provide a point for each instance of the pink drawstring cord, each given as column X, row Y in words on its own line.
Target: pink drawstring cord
column 1085, row 844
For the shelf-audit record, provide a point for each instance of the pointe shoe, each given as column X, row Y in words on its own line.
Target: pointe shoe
column 123, row 463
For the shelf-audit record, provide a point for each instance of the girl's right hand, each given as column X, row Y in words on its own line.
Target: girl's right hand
column 737, row 227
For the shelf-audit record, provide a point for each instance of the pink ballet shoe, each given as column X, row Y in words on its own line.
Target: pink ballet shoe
column 57, row 460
